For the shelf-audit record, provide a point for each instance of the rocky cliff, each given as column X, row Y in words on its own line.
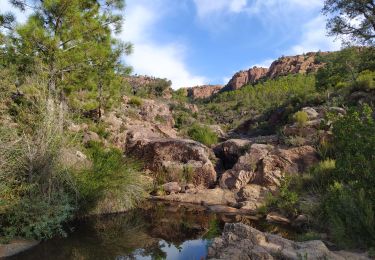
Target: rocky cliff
column 245, row 77
column 202, row 92
column 299, row 64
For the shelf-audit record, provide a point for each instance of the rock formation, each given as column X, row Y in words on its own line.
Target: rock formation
column 176, row 159
column 202, row 92
column 300, row 64
column 240, row 241
column 266, row 165
column 242, row 78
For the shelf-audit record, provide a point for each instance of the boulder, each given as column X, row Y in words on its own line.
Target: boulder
column 229, row 151
column 171, row 187
column 311, row 113
column 274, row 217
column 240, row 241
column 266, row 165
column 90, row 136
column 191, row 158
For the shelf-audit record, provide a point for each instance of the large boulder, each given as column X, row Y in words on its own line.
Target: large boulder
column 230, row 151
column 266, row 165
column 240, row 241
column 165, row 155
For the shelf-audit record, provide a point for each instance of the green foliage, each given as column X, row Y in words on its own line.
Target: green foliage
column 301, row 118
column 342, row 13
column 286, row 200
column 354, row 149
column 136, row 101
column 350, row 216
column 37, row 194
column 365, row 81
column 233, row 106
column 203, row 134
column 308, row 236
column 112, row 179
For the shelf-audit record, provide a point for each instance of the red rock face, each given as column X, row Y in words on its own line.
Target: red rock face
column 201, row 92
column 242, row 78
column 302, row 64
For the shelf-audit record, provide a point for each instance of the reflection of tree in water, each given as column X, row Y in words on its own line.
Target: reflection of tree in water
column 138, row 233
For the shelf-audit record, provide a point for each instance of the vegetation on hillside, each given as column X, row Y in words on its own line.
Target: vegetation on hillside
column 63, row 64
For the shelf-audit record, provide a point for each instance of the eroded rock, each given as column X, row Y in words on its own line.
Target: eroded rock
column 240, row 241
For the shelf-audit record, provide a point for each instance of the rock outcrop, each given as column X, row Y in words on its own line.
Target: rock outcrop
column 266, row 165
column 242, row 78
column 176, row 159
column 150, row 84
column 300, row 64
column 202, row 92
column 240, row 241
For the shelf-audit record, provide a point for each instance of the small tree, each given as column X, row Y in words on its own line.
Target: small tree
column 351, row 18
column 301, row 118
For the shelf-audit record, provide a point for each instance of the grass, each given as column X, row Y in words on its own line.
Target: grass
column 203, row 134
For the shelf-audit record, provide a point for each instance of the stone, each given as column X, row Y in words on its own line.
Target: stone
column 206, row 197
column 242, row 242
column 203, row 92
column 169, row 155
column 171, row 187
column 90, row 136
column 300, row 221
column 311, row 113
column 274, row 217
column 266, row 165
column 16, row 246
column 229, row 151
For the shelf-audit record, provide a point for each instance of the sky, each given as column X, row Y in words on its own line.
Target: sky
column 196, row 42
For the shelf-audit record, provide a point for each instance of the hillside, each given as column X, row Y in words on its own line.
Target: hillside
column 288, row 149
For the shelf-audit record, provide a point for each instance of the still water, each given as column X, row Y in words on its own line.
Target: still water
column 156, row 231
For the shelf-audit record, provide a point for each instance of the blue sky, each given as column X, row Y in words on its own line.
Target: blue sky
column 194, row 42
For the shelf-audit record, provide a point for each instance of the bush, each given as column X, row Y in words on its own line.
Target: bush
column 301, row 118
column 354, row 150
column 350, row 216
column 365, row 81
column 287, row 199
column 113, row 184
column 203, row 134
column 37, row 195
column 136, row 101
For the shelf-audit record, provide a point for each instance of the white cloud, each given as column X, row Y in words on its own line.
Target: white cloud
column 314, row 38
column 150, row 57
column 206, row 7
column 264, row 64
column 6, row 7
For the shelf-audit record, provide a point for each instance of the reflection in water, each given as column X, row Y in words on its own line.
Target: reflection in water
column 157, row 231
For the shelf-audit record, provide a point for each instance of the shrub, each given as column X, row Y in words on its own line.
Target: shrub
column 296, row 141
column 365, row 81
column 203, row 134
column 136, row 101
column 37, row 195
column 350, row 216
column 354, row 149
column 287, row 199
column 112, row 184
column 301, row 118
